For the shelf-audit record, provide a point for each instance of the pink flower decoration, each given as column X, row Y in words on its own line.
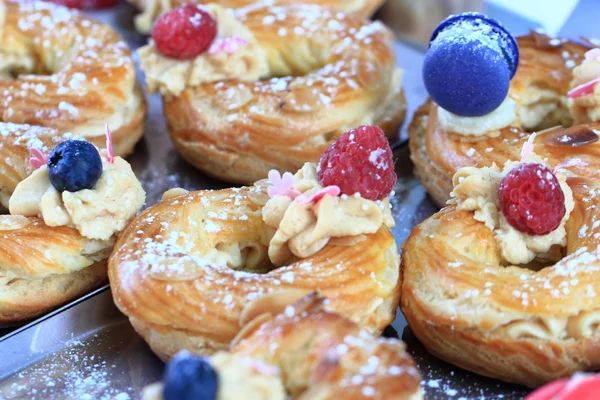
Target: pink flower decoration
column 109, row 147
column 583, row 89
column 574, row 162
column 37, row 158
column 528, row 146
column 579, row 386
column 229, row 45
column 282, row 185
column 315, row 197
column 262, row 368
column 592, row 55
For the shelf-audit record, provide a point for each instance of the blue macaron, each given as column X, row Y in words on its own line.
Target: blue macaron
column 470, row 63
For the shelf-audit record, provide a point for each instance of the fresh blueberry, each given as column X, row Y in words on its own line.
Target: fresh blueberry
column 470, row 63
column 74, row 165
column 190, row 378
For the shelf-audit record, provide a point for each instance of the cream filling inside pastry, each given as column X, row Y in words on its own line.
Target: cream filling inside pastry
column 476, row 189
column 151, row 10
column 586, row 108
column 170, row 77
column 302, row 230
column 97, row 213
column 249, row 256
column 239, row 378
column 540, row 108
column 489, row 124
column 122, row 116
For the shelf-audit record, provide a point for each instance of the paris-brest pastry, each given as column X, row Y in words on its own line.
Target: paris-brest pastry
column 503, row 281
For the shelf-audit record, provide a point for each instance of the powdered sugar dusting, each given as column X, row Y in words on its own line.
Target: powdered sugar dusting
column 478, row 33
column 378, row 159
column 353, row 64
column 67, row 46
column 74, row 373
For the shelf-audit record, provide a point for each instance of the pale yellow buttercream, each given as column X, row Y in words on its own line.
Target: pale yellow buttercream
column 97, row 213
column 239, row 378
column 170, row 76
column 476, row 189
column 302, row 230
column 486, row 125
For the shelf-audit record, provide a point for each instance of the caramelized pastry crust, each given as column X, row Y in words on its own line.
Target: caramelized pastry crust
column 324, row 73
column 190, row 271
column 321, row 355
column 524, row 324
column 63, row 70
column 152, row 9
column 42, row 267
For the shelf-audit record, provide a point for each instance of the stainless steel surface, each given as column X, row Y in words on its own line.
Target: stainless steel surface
column 88, row 350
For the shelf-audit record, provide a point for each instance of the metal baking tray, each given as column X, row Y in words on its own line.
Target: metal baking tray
column 88, row 350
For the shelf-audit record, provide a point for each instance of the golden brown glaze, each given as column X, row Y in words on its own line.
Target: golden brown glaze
column 335, row 76
column 178, row 299
column 42, row 267
column 63, row 70
column 324, row 356
column 321, row 355
column 23, row 299
column 509, row 322
column 152, row 9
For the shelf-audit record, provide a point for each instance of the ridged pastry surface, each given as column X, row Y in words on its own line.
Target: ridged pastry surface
column 152, row 9
column 329, row 72
column 324, row 356
column 66, row 71
column 301, row 351
column 523, row 325
column 42, row 267
column 178, row 299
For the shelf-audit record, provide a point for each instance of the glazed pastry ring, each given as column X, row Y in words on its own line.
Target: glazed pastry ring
column 321, row 355
column 177, row 299
column 508, row 322
column 63, row 70
column 152, row 9
column 335, row 76
column 41, row 267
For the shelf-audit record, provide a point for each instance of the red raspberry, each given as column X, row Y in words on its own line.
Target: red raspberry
column 532, row 200
column 184, row 32
column 86, row 4
column 359, row 162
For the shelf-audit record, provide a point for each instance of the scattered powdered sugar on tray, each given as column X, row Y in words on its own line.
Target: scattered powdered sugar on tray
column 74, row 373
column 440, row 380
